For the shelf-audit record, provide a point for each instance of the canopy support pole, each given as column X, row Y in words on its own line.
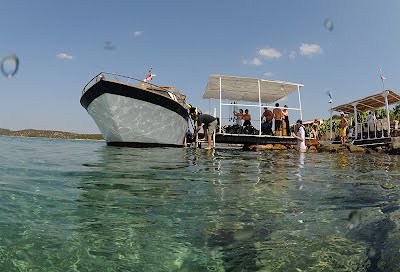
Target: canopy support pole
column 385, row 95
column 220, row 106
column 259, row 103
column 215, row 114
column 355, row 120
column 330, row 137
column 301, row 112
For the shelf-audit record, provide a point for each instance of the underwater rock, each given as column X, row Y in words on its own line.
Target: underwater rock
column 312, row 149
column 390, row 208
column 333, row 148
column 355, row 149
column 265, row 147
column 396, row 143
column 376, row 234
column 279, row 147
column 387, row 186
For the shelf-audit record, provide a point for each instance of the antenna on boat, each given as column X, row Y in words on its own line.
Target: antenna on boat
column 232, row 110
column 331, row 111
column 382, row 79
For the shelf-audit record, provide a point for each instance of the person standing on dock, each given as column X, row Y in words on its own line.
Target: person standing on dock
column 238, row 117
column 300, row 135
column 278, row 120
column 285, row 114
column 371, row 119
column 246, row 118
column 343, row 127
column 314, row 128
column 266, row 126
column 209, row 122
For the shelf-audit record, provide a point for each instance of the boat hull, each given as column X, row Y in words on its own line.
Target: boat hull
column 135, row 119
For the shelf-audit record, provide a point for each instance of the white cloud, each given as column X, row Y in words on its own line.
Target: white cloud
column 268, row 74
column 64, row 56
column 137, row 34
column 292, row 55
column 270, row 53
column 308, row 49
column 254, row 61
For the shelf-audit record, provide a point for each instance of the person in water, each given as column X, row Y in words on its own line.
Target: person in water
column 210, row 123
column 300, row 135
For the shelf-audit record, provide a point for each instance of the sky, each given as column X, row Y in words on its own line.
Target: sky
column 61, row 45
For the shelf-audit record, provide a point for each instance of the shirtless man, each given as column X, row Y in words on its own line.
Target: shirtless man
column 246, row 118
column 278, row 119
column 343, row 126
column 267, row 125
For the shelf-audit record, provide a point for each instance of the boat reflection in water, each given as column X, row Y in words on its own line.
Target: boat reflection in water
column 188, row 210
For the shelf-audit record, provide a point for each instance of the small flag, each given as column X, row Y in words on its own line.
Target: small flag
column 382, row 77
column 149, row 76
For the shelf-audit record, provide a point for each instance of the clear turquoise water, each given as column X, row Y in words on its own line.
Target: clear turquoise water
column 83, row 206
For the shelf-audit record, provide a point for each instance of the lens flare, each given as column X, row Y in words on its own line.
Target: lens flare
column 354, row 219
column 328, row 24
column 9, row 66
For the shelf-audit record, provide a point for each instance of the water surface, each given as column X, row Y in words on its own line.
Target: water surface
column 83, row 206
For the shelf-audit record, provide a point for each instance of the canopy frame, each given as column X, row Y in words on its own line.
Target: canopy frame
column 247, row 89
column 372, row 102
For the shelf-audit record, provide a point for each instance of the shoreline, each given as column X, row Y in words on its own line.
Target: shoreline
column 50, row 134
column 52, row 138
column 313, row 146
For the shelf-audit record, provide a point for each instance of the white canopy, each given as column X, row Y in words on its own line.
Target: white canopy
column 247, row 89
column 371, row 102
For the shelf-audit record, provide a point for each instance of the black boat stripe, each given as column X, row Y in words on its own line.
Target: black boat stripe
column 104, row 86
column 143, row 145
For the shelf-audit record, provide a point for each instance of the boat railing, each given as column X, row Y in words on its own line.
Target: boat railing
column 127, row 80
column 114, row 76
column 257, row 118
column 372, row 130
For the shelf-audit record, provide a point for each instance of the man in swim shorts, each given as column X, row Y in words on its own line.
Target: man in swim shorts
column 278, row 120
column 209, row 122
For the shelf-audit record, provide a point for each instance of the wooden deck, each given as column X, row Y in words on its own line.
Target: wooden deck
column 373, row 141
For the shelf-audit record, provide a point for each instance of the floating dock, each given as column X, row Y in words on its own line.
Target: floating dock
column 255, row 94
column 373, row 131
column 253, row 139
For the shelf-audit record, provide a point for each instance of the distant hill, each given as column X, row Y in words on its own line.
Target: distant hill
column 49, row 134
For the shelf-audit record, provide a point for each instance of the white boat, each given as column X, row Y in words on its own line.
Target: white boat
column 142, row 115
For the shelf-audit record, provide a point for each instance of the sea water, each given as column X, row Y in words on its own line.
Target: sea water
column 85, row 206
